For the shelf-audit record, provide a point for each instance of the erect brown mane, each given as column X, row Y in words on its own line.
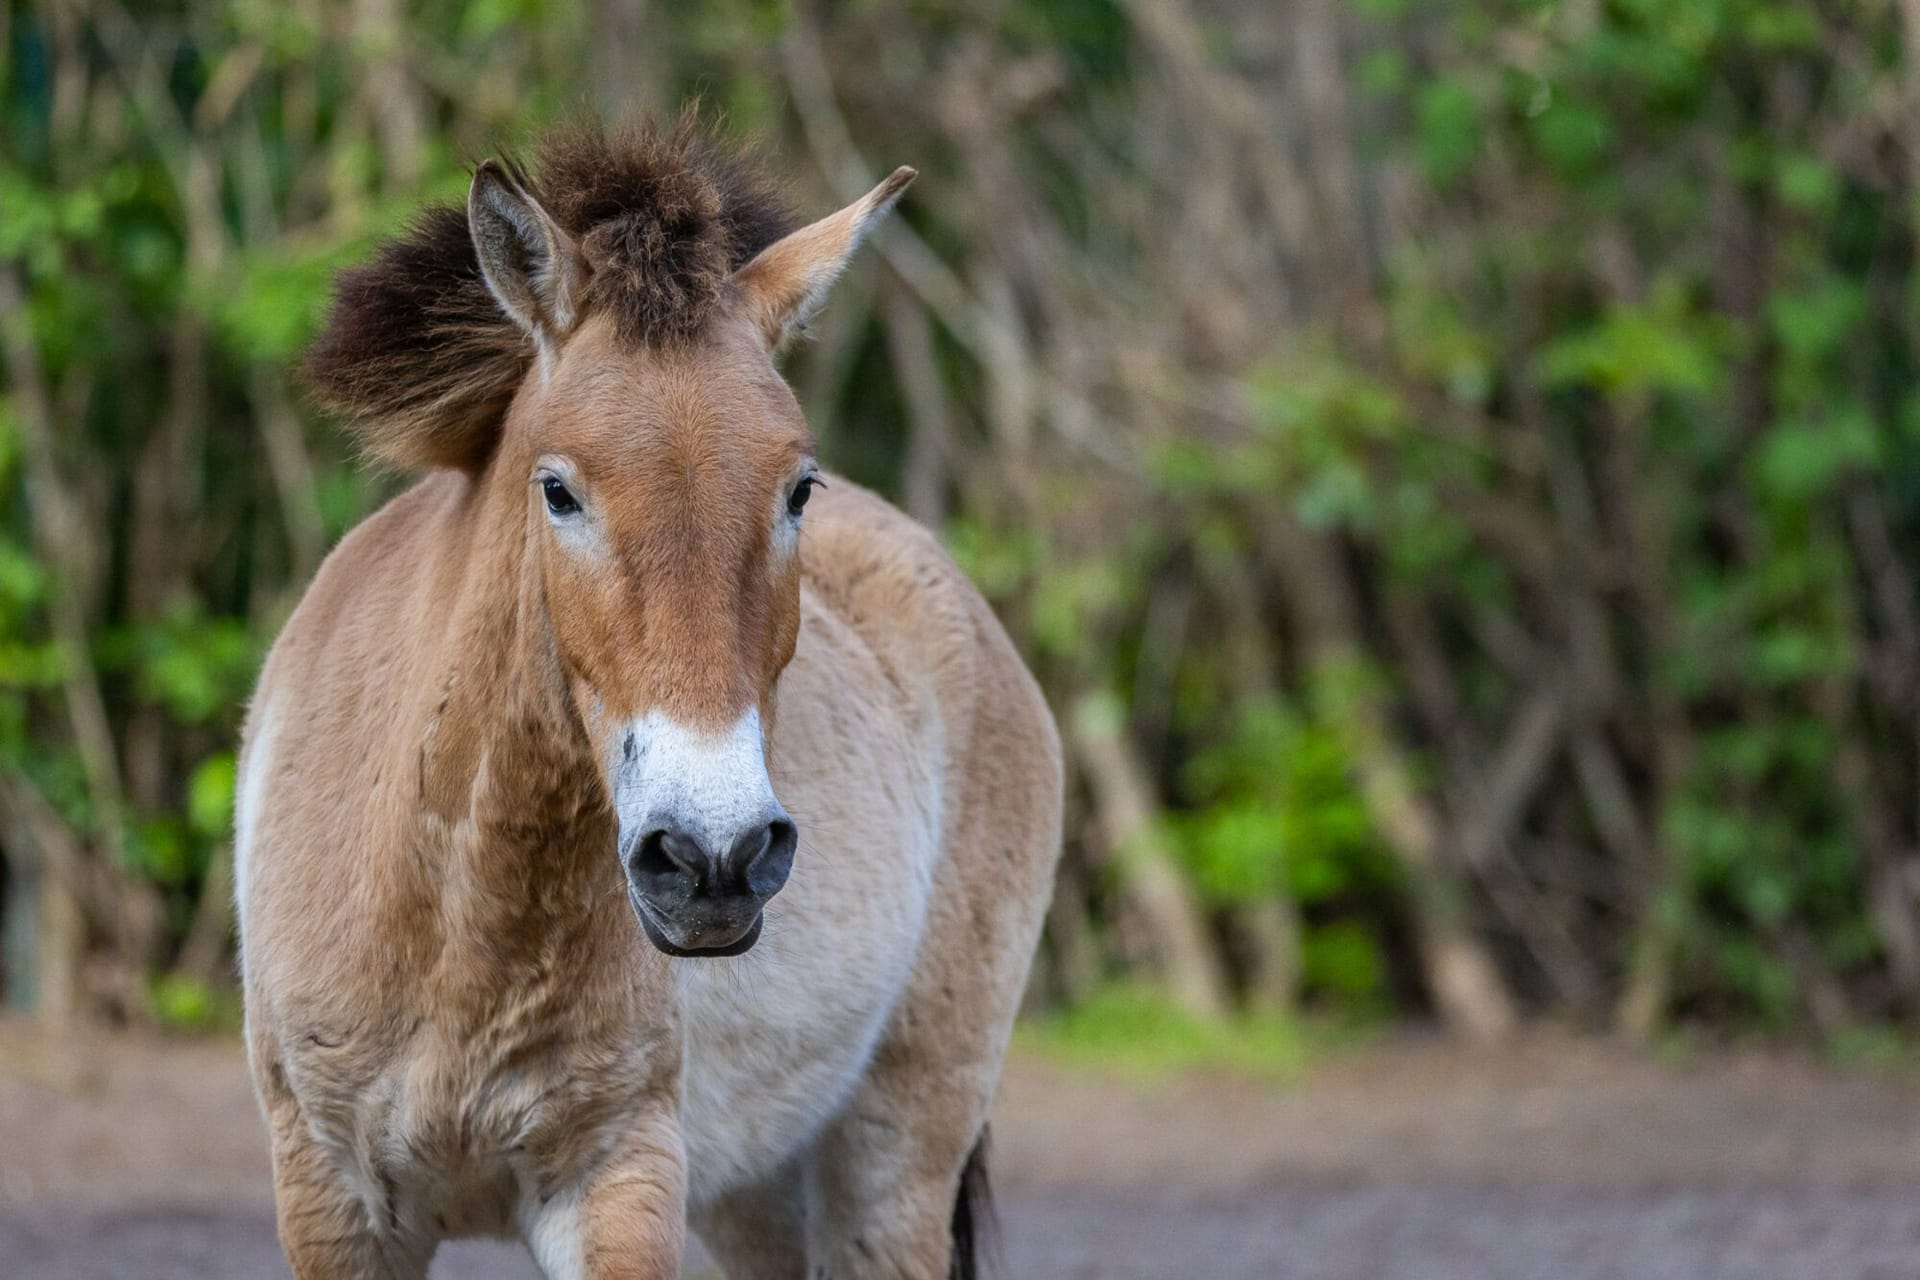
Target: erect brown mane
column 422, row 360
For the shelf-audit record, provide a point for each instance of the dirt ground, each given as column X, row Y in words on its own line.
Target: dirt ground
column 124, row 1157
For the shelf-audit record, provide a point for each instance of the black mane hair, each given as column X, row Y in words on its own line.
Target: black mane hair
column 421, row 359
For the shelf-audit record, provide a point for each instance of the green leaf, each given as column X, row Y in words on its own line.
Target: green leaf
column 1802, row 461
column 1448, row 129
column 210, row 796
column 1639, row 350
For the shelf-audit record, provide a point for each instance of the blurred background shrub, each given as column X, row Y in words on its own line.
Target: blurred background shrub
column 1454, row 466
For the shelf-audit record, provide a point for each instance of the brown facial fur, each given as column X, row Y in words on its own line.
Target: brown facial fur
column 683, row 456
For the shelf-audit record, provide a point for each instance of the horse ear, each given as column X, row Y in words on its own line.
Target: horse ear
column 532, row 268
column 787, row 282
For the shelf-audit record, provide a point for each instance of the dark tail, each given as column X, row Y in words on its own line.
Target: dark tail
column 973, row 1222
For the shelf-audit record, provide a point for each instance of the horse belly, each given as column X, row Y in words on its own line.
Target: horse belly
column 777, row 1039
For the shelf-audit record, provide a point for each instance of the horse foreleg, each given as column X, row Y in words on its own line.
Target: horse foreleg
column 326, row 1230
column 625, row 1221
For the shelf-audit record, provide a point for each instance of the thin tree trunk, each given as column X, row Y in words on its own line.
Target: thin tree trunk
column 1461, row 974
column 51, row 871
column 293, row 475
column 1129, row 817
column 1075, row 949
column 62, row 542
column 1270, row 930
column 203, row 954
column 930, row 434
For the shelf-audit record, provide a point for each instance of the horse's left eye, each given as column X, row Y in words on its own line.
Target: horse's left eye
column 559, row 500
column 801, row 492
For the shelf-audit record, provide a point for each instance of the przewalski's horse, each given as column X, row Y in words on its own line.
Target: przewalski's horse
column 545, row 736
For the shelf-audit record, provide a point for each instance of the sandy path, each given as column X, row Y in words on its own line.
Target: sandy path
column 126, row 1157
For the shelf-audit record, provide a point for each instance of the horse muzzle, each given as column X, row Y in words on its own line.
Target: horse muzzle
column 694, row 900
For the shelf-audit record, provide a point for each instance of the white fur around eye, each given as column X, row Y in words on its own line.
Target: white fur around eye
column 786, row 524
column 579, row 530
column 579, row 534
column 786, row 533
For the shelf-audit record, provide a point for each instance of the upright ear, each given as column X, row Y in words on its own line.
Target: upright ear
column 532, row 268
column 788, row 281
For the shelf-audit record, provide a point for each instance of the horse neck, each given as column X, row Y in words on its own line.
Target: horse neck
column 513, row 878
column 506, row 759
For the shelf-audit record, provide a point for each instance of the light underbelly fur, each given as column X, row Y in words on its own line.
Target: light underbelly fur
column 777, row 1039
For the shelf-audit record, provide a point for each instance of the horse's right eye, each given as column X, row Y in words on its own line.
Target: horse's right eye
column 559, row 500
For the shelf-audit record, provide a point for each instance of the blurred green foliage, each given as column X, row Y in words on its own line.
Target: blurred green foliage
column 1625, row 385
column 1139, row 1033
column 1755, row 380
column 1276, row 815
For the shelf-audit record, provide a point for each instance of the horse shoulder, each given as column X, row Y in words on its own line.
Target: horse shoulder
column 910, row 693
column 321, row 727
column 940, row 647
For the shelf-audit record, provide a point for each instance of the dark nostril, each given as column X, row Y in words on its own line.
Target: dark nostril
column 664, row 855
column 764, row 856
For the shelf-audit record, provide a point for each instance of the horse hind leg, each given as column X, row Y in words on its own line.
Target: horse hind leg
column 973, row 1224
column 757, row 1232
column 896, row 1206
column 896, row 1182
column 760, row 1233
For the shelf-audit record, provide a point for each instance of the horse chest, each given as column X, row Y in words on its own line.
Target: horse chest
column 444, row 1135
column 776, row 1040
